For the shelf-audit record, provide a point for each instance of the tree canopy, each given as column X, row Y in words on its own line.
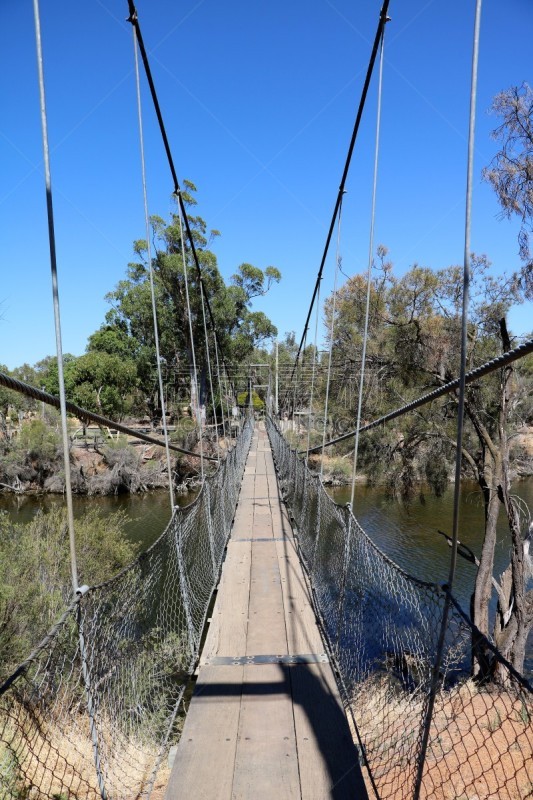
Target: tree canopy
column 413, row 346
column 129, row 333
column 511, row 170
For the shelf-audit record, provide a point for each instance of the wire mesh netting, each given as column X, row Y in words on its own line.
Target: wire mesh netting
column 94, row 709
column 382, row 627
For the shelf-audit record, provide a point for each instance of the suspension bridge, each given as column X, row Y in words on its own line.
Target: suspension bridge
column 264, row 645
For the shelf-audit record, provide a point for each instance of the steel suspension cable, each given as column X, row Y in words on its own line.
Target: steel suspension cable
column 89, row 416
column 55, row 299
column 369, row 272
column 63, row 404
column 134, row 19
column 299, row 382
column 220, row 388
column 193, row 349
column 151, row 272
column 460, row 406
column 313, row 373
column 331, row 336
column 206, row 337
column 377, row 39
column 479, row 372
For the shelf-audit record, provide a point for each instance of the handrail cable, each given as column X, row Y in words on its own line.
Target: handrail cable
column 151, row 272
column 193, row 349
column 331, row 336
column 89, row 416
column 484, row 369
column 369, row 272
column 134, row 19
column 460, row 407
column 379, row 32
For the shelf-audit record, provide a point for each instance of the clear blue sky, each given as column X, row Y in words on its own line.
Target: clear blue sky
column 259, row 101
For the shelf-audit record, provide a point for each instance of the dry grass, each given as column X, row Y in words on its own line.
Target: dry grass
column 480, row 744
column 42, row 759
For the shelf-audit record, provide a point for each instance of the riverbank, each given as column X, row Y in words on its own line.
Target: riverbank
column 111, row 466
column 337, row 470
column 100, row 464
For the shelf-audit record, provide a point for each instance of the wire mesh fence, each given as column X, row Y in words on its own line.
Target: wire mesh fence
column 382, row 626
column 94, row 709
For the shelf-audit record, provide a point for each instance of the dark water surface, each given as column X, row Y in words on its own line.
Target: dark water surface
column 147, row 514
column 407, row 534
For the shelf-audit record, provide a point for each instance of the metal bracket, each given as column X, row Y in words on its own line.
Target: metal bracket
column 287, row 660
column 264, row 539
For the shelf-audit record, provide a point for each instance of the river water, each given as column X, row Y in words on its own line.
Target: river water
column 407, row 534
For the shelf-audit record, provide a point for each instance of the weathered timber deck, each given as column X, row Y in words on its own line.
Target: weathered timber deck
column 259, row 730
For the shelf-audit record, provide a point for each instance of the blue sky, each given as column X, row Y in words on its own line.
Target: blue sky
column 259, row 101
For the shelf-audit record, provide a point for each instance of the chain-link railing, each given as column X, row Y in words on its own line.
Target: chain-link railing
column 382, row 627
column 94, row 709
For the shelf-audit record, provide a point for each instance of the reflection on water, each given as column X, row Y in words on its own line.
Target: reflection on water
column 409, row 534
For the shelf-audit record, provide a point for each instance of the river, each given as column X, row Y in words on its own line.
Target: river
column 407, row 534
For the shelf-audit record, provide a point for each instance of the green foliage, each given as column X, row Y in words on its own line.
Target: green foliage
column 117, row 375
column 129, row 331
column 413, row 347
column 14, row 401
column 35, row 583
column 339, row 470
column 32, row 455
column 510, row 173
column 243, row 400
column 38, row 440
column 437, row 458
column 98, row 381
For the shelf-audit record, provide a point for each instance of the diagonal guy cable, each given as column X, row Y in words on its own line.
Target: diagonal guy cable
column 151, row 272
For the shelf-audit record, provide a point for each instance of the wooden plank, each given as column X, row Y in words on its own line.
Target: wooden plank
column 303, row 634
column 209, row 738
column 267, row 634
column 264, row 730
column 229, row 622
column 266, row 763
column 327, row 756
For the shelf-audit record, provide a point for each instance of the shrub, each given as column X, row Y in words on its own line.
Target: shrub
column 35, row 583
column 243, row 400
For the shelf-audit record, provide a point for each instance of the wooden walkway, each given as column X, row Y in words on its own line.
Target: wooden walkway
column 262, row 728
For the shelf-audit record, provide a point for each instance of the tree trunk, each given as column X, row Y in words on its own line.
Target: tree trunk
column 483, row 585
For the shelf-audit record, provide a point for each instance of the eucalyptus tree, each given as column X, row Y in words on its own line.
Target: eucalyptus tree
column 129, row 322
column 414, row 339
column 511, row 170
